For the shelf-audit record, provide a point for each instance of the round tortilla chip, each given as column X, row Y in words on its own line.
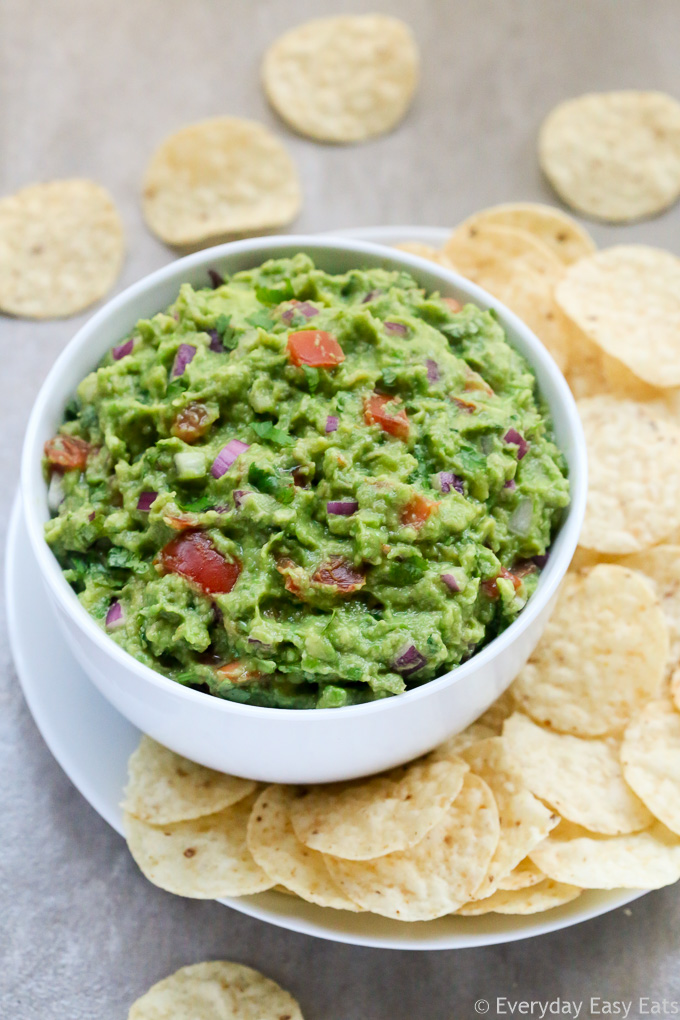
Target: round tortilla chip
column 641, row 860
column 520, row 271
column 218, row 990
column 287, row 861
column 218, row 178
column 438, row 875
column 426, row 251
column 524, row 821
column 524, row 875
column 601, row 657
column 203, row 858
column 554, row 228
column 585, row 373
column 581, row 779
column 626, row 299
column 661, row 566
column 164, row 787
column 633, row 478
column 61, row 248
column 342, row 79
column 650, row 756
column 531, row 900
column 367, row 818
column 614, row 156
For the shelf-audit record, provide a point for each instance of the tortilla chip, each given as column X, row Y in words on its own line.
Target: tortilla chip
column 287, row 861
column 163, row 787
column 581, row 779
column 602, row 655
column 217, row 990
column 342, row 79
column 585, row 373
column 650, row 756
column 661, row 566
column 554, row 228
column 520, row 271
column 524, row 821
column 203, row 858
column 219, row 178
column 426, row 251
column 524, row 875
column 614, row 156
column 367, row 818
column 546, row 895
column 627, row 301
column 439, row 874
column 633, row 478
column 61, row 248
column 641, row 860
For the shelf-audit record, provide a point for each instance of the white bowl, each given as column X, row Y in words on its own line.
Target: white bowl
column 288, row 745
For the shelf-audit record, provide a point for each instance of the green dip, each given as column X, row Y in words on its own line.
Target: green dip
column 300, row 535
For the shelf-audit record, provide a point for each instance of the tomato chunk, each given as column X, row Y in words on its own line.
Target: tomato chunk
column 67, row 452
column 340, row 574
column 192, row 422
column 490, row 587
column 316, row 348
column 417, row 511
column 237, row 673
column 390, row 418
column 192, row 555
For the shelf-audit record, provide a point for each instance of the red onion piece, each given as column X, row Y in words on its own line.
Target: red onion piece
column 432, row 370
column 215, row 341
column 448, row 482
column 227, row 456
column 409, row 661
column 115, row 617
column 185, row 355
column 450, row 582
column 371, row 296
column 520, row 519
column 342, row 508
column 238, row 495
column 511, row 484
column 145, row 500
column 91, row 516
column 397, row 328
column 123, row 349
column 540, row 561
column 332, row 422
column 513, row 436
column 215, row 278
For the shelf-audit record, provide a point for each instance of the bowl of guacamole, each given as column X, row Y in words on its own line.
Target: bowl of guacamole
column 287, row 481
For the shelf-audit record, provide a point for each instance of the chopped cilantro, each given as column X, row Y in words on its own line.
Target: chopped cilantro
column 267, row 430
column 274, row 295
column 261, row 319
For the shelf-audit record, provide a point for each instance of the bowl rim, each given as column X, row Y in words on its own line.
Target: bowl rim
column 269, row 246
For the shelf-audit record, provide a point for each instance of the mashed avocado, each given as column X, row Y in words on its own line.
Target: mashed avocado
column 303, row 490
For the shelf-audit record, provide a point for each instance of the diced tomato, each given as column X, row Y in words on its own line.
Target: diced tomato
column 474, row 381
column 382, row 410
column 193, row 556
column 316, row 348
column 417, row 511
column 464, row 405
column 192, row 422
column 340, row 574
column 180, row 523
column 490, row 587
column 454, row 305
column 292, row 574
column 237, row 673
column 67, row 452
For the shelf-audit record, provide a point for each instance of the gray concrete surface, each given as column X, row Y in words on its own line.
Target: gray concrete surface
column 88, row 88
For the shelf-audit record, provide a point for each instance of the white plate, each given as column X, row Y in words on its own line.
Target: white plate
column 92, row 742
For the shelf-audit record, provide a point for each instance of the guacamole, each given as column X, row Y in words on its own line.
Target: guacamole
column 304, row 490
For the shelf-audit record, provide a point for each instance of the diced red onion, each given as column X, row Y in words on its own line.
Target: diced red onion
column 115, row 617
column 258, row 645
column 342, row 508
column 238, row 495
column 227, row 456
column 409, row 661
column 511, row 484
column 540, row 561
column 450, row 582
column 332, row 422
column 513, row 436
column 432, row 370
column 371, row 296
column 215, row 341
column 221, row 509
column 123, row 349
column 55, row 491
column 215, row 278
column 449, row 481
column 304, row 308
column 397, row 328
column 145, row 500
column 185, row 355
column 520, row 518
column 91, row 516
